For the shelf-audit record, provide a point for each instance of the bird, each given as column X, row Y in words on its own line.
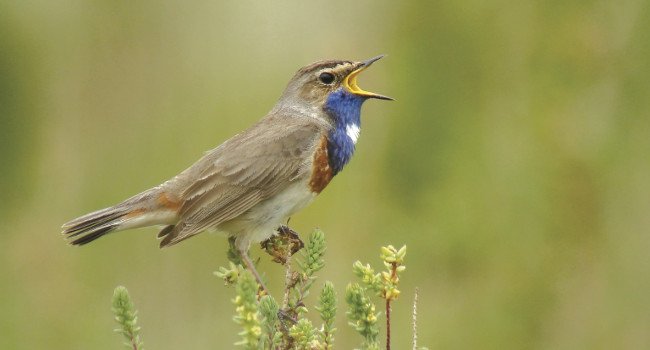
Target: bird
column 248, row 186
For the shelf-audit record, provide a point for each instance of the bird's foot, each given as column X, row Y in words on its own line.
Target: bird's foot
column 283, row 245
column 295, row 243
column 285, row 316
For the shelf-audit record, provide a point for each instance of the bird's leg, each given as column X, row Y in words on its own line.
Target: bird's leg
column 251, row 267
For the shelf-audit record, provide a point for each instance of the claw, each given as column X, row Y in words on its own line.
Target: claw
column 286, row 243
column 284, row 316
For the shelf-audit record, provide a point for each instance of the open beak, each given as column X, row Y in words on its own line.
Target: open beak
column 350, row 82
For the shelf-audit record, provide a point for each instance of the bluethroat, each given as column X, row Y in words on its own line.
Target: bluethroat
column 251, row 184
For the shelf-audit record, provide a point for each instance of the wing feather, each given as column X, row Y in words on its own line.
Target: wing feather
column 242, row 172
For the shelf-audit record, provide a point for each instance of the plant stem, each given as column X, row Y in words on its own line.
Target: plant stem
column 387, row 324
column 415, row 320
column 393, row 278
column 287, row 282
column 286, row 339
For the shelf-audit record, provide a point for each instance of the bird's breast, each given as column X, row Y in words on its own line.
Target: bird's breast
column 321, row 172
column 345, row 110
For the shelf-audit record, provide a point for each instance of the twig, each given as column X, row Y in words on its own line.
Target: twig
column 387, row 324
column 393, row 276
column 283, row 314
column 287, row 282
column 415, row 320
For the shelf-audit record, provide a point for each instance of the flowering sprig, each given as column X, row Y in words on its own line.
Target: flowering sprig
column 383, row 284
column 126, row 317
column 362, row 315
column 247, row 314
column 303, row 335
column 230, row 275
column 327, row 309
column 300, row 283
column 269, row 309
column 393, row 261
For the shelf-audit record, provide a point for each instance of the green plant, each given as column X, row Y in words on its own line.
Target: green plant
column 362, row 315
column 284, row 327
column 287, row 326
column 266, row 324
column 247, row 311
column 126, row 317
column 327, row 309
column 384, row 284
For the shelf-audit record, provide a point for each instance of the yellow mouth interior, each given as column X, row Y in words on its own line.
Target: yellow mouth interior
column 350, row 83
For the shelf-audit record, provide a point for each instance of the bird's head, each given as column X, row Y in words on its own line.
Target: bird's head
column 328, row 85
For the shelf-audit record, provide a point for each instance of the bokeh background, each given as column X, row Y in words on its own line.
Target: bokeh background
column 515, row 163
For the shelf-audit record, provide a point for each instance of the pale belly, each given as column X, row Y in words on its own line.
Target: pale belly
column 260, row 222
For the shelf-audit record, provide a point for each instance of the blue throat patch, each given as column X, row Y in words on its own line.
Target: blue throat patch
column 345, row 108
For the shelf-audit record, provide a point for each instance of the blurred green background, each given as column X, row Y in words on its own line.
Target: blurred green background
column 515, row 163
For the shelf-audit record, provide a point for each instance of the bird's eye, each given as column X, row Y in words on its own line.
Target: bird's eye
column 326, row 78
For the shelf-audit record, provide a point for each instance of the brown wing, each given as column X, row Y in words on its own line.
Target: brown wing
column 242, row 172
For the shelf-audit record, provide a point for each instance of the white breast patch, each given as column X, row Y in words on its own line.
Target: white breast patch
column 353, row 130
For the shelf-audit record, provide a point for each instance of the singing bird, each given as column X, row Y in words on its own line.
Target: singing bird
column 252, row 183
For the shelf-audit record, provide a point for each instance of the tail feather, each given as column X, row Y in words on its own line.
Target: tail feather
column 94, row 225
column 165, row 231
column 92, row 220
column 145, row 209
column 93, row 235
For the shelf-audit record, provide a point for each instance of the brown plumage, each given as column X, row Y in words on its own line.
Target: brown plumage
column 322, row 173
column 251, row 183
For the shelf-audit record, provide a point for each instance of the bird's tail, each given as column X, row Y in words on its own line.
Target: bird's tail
column 139, row 211
column 94, row 225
